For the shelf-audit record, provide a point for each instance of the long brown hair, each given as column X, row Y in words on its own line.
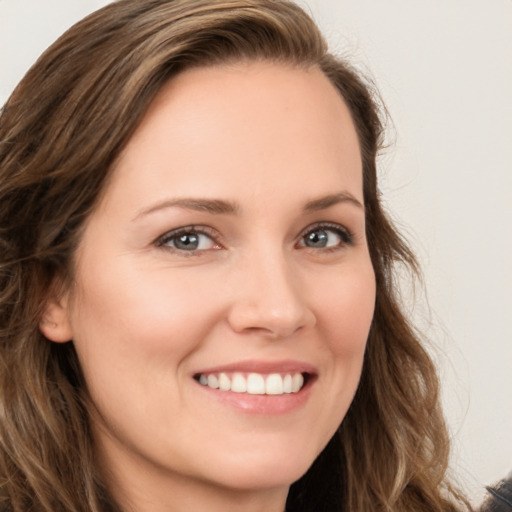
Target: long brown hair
column 60, row 133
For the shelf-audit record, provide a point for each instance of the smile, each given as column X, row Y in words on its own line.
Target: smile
column 254, row 383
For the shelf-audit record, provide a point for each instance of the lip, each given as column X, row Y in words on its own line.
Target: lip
column 264, row 367
column 270, row 405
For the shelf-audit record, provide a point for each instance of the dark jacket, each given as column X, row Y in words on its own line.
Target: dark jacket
column 499, row 497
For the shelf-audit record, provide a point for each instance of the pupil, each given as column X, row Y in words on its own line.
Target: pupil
column 188, row 241
column 317, row 239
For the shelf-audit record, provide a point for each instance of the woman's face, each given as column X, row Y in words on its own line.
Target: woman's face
column 228, row 250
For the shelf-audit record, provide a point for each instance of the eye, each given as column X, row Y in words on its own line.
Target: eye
column 188, row 239
column 326, row 236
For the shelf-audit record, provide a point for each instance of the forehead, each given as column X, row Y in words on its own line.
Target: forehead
column 234, row 128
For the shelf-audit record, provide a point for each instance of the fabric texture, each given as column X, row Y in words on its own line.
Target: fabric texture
column 500, row 497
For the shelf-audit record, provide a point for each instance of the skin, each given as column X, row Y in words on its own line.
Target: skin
column 145, row 316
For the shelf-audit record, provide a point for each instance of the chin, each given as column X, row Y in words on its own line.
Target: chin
column 245, row 472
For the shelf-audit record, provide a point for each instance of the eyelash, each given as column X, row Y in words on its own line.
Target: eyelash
column 346, row 237
column 187, row 230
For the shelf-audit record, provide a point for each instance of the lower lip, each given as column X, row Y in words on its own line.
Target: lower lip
column 272, row 405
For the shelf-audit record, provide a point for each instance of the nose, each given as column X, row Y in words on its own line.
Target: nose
column 270, row 299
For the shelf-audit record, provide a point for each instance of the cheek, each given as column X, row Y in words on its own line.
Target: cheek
column 347, row 311
column 345, row 307
column 133, row 336
column 131, row 318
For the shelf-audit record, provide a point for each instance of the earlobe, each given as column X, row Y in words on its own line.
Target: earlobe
column 54, row 323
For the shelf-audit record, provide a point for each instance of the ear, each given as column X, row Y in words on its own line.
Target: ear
column 54, row 323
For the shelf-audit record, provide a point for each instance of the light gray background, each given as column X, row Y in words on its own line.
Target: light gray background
column 445, row 71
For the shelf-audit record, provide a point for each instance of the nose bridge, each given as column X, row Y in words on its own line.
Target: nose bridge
column 269, row 298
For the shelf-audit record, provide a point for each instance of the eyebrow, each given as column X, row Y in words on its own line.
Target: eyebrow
column 325, row 202
column 215, row 206
column 222, row 207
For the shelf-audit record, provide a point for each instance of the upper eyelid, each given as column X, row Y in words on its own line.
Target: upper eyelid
column 325, row 224
column 204, row 230
column 347, row 236
column 217, row 237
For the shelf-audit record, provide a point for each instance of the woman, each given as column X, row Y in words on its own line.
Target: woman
column 198, row 301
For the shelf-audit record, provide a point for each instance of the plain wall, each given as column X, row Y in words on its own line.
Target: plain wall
column 445, row 72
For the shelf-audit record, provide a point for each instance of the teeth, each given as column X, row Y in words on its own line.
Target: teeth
column 238, row 383
column 212, row 381
column 287, row 383
column 254, row 383
column 274, row 384
column 297, row 382
column 224, row 382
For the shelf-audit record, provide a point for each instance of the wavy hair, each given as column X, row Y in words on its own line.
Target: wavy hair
column 60, row 132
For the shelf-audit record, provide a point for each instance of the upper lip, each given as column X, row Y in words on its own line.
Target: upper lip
column 264, row 367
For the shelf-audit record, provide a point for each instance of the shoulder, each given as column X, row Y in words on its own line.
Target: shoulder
column 499, row 497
